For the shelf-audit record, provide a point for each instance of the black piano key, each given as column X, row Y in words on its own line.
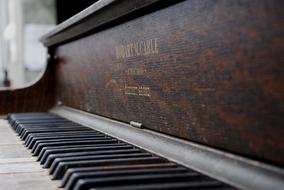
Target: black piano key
column 203, row 185
column 50, row 155
column 118, row 173
column 62, row 140
column 47, row 124
column 85, row 184
column 99, row 158
column 78, row 142
column 122, row 150
column 74, row 129
column 39, row 118
column 12, row 118
column 20, row 124
column 120, row 167
column 44, row 128
column 57, row 134
column 32, row 139
column 24, row 123
column 63, row 166
column 62, row 137
column 21, row 127
column 63, row 149
column 27, row 131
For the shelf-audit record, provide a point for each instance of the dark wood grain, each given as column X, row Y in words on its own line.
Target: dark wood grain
column 99, row 16
column 36, row 98
column 217, row 78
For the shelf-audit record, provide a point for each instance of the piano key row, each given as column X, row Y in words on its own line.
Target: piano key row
column 87, row 159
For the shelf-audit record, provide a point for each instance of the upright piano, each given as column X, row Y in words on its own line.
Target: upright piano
column 156, row 94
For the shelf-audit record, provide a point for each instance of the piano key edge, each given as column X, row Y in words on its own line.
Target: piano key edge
column 233, row 169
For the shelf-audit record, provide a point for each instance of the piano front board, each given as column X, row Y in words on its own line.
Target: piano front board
column 202, row 70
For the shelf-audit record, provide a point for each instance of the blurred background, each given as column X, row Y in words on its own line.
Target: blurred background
column 22, row 23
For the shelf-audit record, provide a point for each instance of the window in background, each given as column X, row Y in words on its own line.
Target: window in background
column 22, row 56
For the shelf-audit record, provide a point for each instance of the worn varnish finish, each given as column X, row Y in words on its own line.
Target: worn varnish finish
column 216, row 78
column 38, row 97
column 100, row 15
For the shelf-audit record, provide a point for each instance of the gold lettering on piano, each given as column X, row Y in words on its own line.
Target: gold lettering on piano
column 135, row 71
column 131, row 90
column 141, row 48
column 137, row 91
column 144, row 91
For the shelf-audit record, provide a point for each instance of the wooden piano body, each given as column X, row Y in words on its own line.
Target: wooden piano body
column 203, row 79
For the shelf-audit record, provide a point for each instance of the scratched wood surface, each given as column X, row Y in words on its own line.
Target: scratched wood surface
column 203, row 70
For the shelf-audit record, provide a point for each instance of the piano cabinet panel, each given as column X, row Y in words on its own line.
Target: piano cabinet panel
column 207, row 71
column 39, row 97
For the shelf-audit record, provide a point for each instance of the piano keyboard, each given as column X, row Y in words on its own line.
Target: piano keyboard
column 83, row 158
